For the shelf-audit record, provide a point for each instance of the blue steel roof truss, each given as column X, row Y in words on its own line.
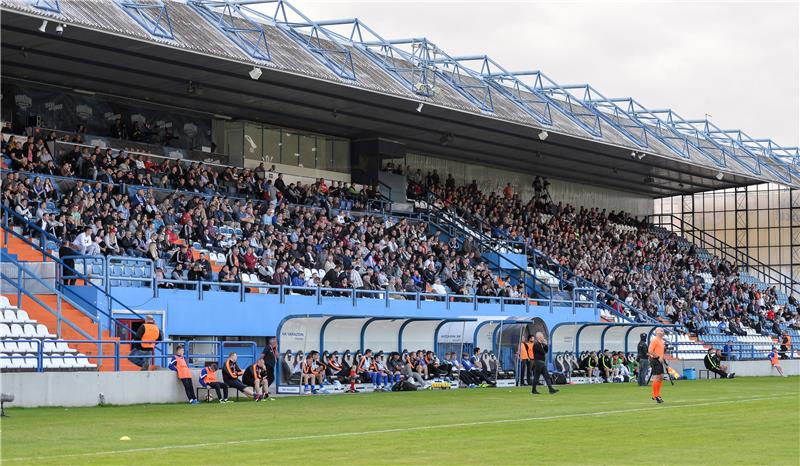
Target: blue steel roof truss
column 153, row 17
column 512, row 86
column 47, row 5
column 729, row 145
column 412, row 68
column 583, row 115
column 311, row 35
column 707, row 147
column 611, row 113
column 468, row 83
column 228, row 17
column 758, row 152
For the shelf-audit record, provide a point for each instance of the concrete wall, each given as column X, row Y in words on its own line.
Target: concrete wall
column 223, row 314
column 745, row 368
column 32, row 389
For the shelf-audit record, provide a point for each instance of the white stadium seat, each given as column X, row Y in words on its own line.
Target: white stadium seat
column 4, row 302
column 28, row 331
column 64, row 348
column 22, row 317
column 43, row 332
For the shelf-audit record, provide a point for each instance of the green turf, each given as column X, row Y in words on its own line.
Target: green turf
column 740, row 421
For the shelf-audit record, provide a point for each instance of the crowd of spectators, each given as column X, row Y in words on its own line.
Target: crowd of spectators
column 648, row 269
column 281, row 230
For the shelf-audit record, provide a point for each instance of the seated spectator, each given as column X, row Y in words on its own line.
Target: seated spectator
column 208, row 378
column 255, row 376
column 231, row 373
column 477, row 373
column 313, row 372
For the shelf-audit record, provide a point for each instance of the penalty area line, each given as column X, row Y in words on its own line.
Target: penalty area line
column 396, row 430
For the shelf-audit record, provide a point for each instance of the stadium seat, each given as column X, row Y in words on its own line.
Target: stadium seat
column 28, row 331
column 43, row 332
column 22, row 317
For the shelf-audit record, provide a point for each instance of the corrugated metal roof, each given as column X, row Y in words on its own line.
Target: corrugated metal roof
column 194, row 33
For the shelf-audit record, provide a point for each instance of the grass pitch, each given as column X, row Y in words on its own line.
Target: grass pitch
column 740, row 421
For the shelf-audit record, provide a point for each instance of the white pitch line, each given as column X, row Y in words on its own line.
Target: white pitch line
column 397, row 430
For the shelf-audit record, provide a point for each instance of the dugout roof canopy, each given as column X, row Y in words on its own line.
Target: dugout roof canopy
column 342, row 78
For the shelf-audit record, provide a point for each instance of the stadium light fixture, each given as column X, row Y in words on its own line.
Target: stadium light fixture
column 60, row 29
column 543, row 135
column 719, row 176
column 419, row 107
column 641, row 155
column 255, row 73
column 633, row 154
column 43, row 27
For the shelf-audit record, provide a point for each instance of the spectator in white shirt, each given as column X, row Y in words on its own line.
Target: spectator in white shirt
column 437, row 287
column 83, row 242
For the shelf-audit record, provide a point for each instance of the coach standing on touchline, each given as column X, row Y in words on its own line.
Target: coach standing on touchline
column 539, row 364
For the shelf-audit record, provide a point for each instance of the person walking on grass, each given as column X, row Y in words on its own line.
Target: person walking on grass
column 775, row 361
column 540, row 365
column 656, row 353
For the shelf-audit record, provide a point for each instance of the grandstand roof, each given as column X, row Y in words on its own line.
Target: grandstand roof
column 341, row 77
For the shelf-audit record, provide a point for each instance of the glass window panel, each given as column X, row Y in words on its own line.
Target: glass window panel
column 763, row 219
column 730, row 219
column 752, row 219
column 272, row 145
column 795, row 195
column 324, row 153
column 341, row 155
column 763, row 237
column 308, row 151
column 253, row 145
column 290, row 150
column 234, row 137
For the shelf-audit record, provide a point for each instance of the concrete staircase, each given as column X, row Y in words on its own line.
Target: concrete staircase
column 23, row 252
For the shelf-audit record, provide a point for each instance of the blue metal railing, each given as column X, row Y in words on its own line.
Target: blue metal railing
column 74, row 298
column 162, row 353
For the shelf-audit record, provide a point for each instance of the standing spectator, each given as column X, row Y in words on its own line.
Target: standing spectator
column 178, row 364
column 540, row 349
column 644, row 361
column 144, row 343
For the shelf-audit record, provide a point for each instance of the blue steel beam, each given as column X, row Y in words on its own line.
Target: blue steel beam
column 611, row 113
column 152, row 17
column 310, row 34
column 409, row 61
column 760, row 151
column 48, row 5
column 728, row 144
column 676, row 141
column 578, row 111
column 236, row 25
column 708, row 147
column 466, row 81
column 515, row 89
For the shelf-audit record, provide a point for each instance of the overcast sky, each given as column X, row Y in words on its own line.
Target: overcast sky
column 738, row 62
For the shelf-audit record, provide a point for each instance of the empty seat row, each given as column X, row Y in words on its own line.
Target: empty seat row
column 24, row 331
column 50, row 347
column 15, row 316
column 29, row 362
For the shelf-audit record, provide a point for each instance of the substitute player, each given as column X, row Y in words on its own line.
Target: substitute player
column 656, row 353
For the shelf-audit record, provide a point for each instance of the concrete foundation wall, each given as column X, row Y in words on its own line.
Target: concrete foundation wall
column 84, row 388
column 744, row 368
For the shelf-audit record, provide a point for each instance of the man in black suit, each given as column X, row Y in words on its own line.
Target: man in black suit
column 540, row 349
column 271, row 358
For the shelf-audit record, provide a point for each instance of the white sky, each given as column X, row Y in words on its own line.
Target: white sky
column 736, row 61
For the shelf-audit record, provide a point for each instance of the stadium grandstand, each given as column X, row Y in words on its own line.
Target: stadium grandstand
column 360, row 212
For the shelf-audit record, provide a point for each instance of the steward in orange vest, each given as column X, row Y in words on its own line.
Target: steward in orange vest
column 144, row 343
column 178, row 364
column 526, row 361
